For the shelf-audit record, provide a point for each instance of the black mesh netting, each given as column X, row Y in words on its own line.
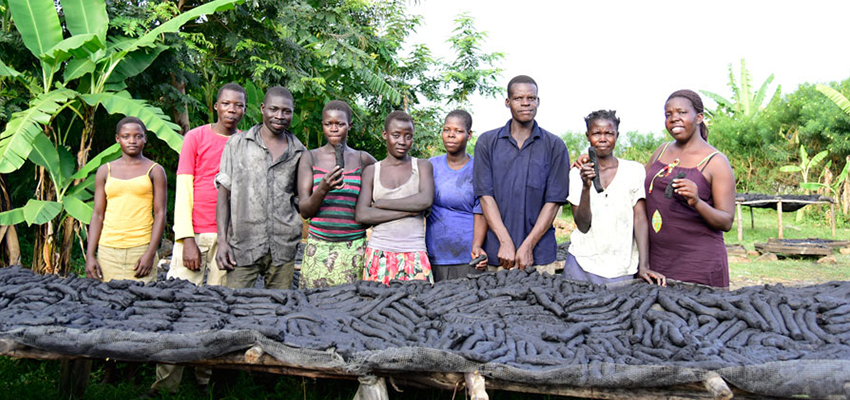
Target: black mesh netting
column 759, row 200
column 513, row 325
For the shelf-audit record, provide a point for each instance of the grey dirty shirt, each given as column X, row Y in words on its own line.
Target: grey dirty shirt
column 263, row 214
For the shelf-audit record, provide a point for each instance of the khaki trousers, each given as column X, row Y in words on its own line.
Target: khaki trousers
column 275, row 276
column 117, row 264
column 208, row 245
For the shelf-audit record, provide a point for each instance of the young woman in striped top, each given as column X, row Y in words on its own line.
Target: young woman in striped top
column 328, row 194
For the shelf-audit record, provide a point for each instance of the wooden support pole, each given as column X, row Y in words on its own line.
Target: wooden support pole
column 74, row 377
column 832, row 218
column 740, row 221
column 475, row 386
column 779, row 212
column 253, row 355
column 717, row 386
column 372, row 388
column 752, row 219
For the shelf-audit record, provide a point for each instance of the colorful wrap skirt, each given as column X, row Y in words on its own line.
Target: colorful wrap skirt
column 327, row 264
column 384, row 266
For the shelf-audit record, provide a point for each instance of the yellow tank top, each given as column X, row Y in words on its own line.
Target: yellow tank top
column 128, row 220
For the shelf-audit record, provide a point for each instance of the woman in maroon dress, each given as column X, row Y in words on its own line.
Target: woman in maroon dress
column 687, row 221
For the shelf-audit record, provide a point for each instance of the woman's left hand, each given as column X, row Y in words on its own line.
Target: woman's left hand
column 687, row 189
column 478, row 251
column 144, row 266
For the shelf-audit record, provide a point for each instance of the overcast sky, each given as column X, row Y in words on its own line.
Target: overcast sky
column 630, row 55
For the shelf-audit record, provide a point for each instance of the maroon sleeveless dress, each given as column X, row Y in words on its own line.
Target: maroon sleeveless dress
column 681, row 245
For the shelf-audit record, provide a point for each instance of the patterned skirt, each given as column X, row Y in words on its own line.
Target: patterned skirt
column 327, row 264
column 384, row 266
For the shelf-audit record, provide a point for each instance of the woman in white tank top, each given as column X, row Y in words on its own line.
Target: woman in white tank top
column 396, row 193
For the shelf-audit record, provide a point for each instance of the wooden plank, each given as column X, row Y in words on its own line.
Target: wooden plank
column 253, row 355
column 437, row 380
column 786, row 249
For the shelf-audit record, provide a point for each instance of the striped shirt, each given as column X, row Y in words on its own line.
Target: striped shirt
column 334, row 222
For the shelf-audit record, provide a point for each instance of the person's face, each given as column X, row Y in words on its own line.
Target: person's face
column 230, row 108
column 455, row 135
column 399, row 137
column 523, row 102
column 335, row 126
column 603, row 136
column 277, row 114
column 682, row 120
column 131, row 137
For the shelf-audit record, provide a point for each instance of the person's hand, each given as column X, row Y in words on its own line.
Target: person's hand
column 93, row 270
column 588, row 173
column 224, row 257
column 477, row 251
column 507, row 255
column 581, row 159
column 648, row 275
column 191, row 254
column 333, row 180
column 687, row 189
column 144, row 265
column 524, row 257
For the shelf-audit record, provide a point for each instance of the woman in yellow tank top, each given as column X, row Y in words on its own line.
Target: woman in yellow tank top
column 129, row 211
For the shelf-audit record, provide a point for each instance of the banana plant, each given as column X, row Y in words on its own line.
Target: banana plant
column 76, row 76
column 806, row 165
column 835, row 96
column 745, row 103
column 97, row 63
column 833, row 187
column 73, row 189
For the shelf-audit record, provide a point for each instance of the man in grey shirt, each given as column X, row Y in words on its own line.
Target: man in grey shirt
column 258, row 224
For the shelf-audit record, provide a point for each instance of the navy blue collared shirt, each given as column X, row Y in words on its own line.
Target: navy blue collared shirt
column 522, row 180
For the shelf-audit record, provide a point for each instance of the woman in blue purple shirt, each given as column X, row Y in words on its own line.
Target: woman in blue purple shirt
column 456, row 229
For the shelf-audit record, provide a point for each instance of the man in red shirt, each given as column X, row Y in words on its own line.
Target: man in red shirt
column 195, row 234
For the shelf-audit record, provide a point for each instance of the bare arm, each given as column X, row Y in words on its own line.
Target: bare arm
column 581, row 212
column 96, row 225
column 479, row 235
column 507, row 250
column 224, row 256
column 641, row 232
column 525, row 254
column 364, row 212
column 311, row 200
column 722, row 180
column 417, row 202
column 144, row 266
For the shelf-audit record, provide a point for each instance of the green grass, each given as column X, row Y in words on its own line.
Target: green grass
column 789, row 271
column 33, row 379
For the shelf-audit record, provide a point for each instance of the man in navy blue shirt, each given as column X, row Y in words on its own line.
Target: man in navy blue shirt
column 521, row 174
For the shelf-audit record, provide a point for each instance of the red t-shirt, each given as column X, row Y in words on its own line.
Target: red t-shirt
column 200, row 157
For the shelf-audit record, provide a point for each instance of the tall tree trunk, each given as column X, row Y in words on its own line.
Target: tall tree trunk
column 64, row 263
column 70, row 224
column 10, row 235
column 181, row 112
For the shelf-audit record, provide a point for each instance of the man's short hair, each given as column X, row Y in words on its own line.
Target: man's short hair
column 520, row 79
column 607, row 115
column 278, row 91
column 130, row 120
column 397, row 115
column 463, row 116
column 338, row 105
column 233, row 87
